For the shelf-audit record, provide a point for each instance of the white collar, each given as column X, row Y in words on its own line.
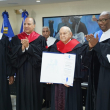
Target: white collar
column 48, row 37
column 105, row 36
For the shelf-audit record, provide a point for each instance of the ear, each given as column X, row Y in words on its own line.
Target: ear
column 49, row 32
column 71, row 34
column 34, row 26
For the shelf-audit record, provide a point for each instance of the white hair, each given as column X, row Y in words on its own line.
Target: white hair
column 105, row 13
column 67, row 28
column 46, row 27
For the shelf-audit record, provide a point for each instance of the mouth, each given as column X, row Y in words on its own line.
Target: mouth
column 102, row 27
column 26, row 29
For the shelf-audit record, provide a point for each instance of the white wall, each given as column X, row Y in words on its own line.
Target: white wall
column 58, row 9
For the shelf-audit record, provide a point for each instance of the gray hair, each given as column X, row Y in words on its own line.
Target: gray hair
column 46, row 27
column 105, row 13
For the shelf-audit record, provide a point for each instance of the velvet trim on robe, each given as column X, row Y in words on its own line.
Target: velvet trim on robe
column 64, row 48
column 30, row 37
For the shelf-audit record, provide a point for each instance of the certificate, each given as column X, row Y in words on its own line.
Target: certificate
column 58, row 68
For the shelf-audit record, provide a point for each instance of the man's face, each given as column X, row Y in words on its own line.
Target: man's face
column 29, row 25
column 65, row 35
column 104, row 22
column 45, row 32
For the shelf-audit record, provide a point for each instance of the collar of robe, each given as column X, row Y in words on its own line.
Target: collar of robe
column 105, row 36
column 64, row 48
column 31, row 37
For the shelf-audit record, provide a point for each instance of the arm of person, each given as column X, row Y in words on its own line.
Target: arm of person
column 102, row 49
column 86, row 54
column 16, row 56
column 37, row 47
column 35, row 50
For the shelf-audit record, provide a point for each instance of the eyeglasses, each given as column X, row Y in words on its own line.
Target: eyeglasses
column 103, row 20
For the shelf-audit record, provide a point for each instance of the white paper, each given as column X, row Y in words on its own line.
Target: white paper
column 58, row 68
column 108, row 56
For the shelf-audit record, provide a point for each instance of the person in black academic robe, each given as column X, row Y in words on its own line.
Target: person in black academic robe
column 26, row 55
column 98, row 97
column 47, row 88
column 64, row 97
column 5, row 71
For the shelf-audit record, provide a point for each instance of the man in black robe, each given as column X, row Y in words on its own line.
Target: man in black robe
column 99, row 87
column 26, row 55
column 5, row 70
column 47, row 88
column 64, row 97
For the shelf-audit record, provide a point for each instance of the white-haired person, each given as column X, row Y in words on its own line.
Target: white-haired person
column 98, row 97
column 64, row 97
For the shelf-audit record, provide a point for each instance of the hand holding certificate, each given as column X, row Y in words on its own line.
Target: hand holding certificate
column 58, row 68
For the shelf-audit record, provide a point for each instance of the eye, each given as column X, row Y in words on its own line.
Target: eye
column 103, row 20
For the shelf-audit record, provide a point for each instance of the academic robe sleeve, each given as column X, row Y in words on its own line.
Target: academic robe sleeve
column 33, row 54
column 86, row 55
column 17, row 57
column 35, row 50
column 102, row 50
column 5, row 45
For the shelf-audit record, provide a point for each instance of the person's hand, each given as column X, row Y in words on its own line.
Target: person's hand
column 11, row 80
column 23, row 47
column 26, row 42
column 66, row 85
column 92, row 40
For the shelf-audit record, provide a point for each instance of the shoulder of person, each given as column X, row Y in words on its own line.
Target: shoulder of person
column 15, row 38
column 41, row 38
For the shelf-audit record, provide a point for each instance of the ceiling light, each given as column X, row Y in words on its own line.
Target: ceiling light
column 37, row 0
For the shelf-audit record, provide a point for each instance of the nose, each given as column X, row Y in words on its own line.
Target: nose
column 100, row 23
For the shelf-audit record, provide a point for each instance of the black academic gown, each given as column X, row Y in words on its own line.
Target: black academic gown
column 73, row 95
column 47, row 91
column 98, row 97
column 5, row 100
column 27, row 66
